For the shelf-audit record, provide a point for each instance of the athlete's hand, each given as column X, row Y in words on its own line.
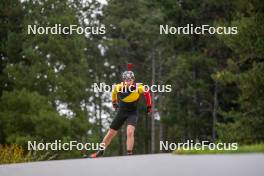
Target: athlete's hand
column 115, row 105
column 149, row 110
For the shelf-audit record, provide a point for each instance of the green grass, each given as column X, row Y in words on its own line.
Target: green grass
column 255, row 148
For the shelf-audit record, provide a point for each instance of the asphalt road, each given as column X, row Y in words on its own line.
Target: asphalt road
column 147, row 165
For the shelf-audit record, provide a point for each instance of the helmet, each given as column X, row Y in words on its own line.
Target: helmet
column 128, row 74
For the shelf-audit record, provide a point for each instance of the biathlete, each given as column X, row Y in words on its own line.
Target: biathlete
column 125, row 98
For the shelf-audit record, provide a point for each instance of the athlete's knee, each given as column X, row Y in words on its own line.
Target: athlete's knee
column 112, row 132
column 130, row 131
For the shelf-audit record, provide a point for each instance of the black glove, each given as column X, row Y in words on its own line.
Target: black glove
column 115, row 105
column 149, row 110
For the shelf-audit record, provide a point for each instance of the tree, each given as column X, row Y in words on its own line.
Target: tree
column 245, row 70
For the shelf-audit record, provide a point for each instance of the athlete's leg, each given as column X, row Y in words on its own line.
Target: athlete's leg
column 130, row 138
column 109, row 136
column 115, row 125
column 106, row 141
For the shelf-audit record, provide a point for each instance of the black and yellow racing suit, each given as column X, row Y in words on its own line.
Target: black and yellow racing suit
column 127, row 100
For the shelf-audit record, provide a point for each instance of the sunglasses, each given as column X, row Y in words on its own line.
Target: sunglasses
column 128, row 80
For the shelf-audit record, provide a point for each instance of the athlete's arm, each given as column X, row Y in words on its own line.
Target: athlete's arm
column 114, row 97
column 114, row 94
column 147, row 96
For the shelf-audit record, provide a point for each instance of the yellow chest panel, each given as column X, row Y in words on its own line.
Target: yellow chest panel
column 133, row 96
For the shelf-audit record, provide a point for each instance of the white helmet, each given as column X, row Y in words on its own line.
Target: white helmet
column 128, row 75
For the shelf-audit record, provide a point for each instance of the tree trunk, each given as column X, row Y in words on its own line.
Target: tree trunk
column 215, row 110
column 153, row 107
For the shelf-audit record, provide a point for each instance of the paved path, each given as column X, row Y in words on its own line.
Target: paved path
column 145, row 165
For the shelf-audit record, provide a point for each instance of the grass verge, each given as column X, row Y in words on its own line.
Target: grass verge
column 255, row 148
